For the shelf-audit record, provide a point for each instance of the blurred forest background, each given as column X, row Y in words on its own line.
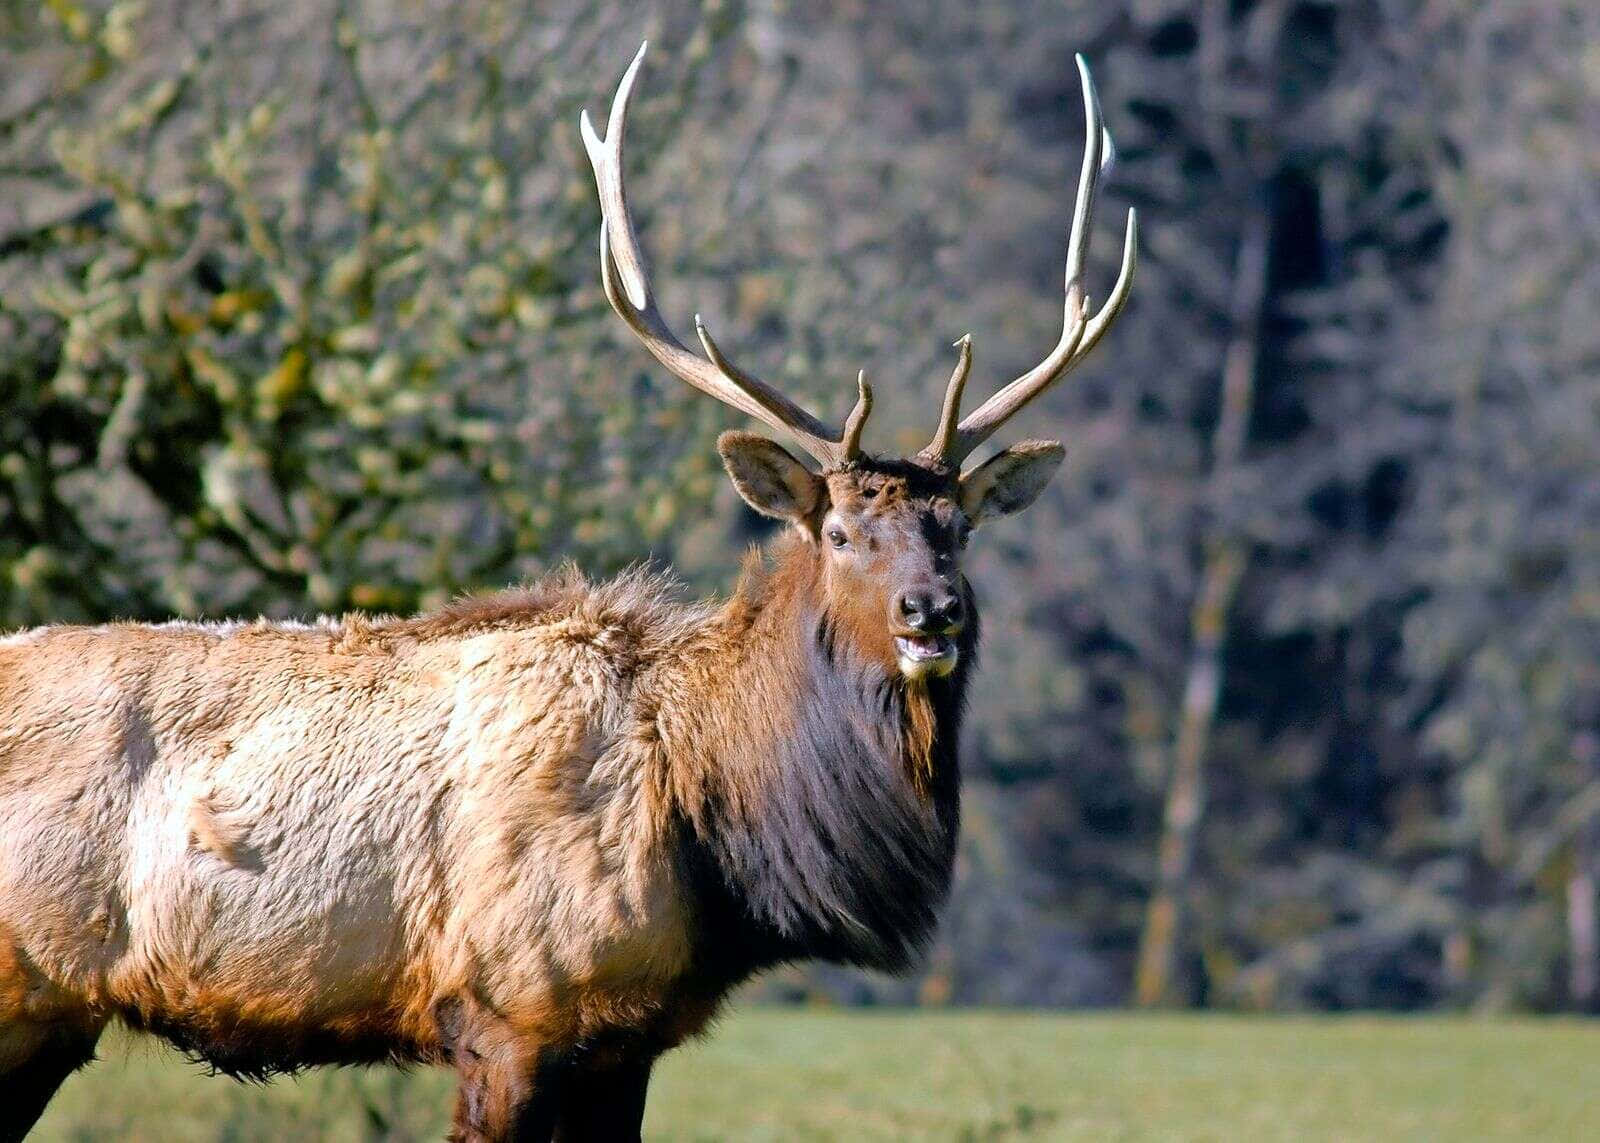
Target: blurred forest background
column 1291, row 694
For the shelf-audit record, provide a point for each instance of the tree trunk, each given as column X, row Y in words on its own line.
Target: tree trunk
column 1583, row 936
column 1166, row 922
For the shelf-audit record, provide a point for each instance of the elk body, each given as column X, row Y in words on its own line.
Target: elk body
column 537, row 836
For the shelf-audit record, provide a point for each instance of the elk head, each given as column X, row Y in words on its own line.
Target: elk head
column 885, row 534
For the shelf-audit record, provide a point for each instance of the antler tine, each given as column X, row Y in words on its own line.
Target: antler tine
column 1079, row 332
column 627, row 288
column 850, row 439
column 944, row 436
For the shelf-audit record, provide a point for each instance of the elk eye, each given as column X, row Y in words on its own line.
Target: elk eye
column 963, row 534
column 837, row 538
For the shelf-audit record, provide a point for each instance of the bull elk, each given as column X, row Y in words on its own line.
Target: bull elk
column 537, row 835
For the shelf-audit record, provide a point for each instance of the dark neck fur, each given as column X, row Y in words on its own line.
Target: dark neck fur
column 826, row 823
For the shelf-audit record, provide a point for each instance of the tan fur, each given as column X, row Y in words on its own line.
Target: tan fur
column 424, row 801
column 220, row 828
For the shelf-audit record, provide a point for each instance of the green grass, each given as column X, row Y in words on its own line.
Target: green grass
column 831, row 1075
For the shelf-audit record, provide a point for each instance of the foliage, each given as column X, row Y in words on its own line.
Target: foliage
column 315, row 322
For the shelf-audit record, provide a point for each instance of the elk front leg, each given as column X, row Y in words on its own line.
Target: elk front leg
column 506, row 1077
column 601, row 1102
column 34, row 1061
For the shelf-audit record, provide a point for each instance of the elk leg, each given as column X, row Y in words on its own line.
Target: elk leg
column 34, row 1060
column 603, row 1102
column 506, row 1081
column 503, row 1097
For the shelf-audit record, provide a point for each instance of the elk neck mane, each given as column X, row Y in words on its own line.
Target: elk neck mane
column 816, row 791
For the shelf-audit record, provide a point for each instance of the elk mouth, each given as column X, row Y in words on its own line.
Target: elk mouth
column 922, row 656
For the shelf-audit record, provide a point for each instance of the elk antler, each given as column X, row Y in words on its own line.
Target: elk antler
column 628, row 289
column 951, row 442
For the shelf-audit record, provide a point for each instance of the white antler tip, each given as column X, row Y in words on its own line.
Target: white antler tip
column 619, row 102
column 634, row 65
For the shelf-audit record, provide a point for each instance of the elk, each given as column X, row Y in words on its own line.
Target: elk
column 539, row 835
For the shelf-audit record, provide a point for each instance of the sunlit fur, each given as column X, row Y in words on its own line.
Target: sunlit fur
column 558, row 822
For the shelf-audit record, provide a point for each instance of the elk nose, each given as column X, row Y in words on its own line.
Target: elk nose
column 935, row 612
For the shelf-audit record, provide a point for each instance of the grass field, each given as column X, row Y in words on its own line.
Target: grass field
column 810, row 1075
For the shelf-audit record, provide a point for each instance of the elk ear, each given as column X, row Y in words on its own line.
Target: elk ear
column 770, row 480
column 1009, row 481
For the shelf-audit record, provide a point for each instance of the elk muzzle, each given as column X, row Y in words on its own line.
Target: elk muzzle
column 925, row 624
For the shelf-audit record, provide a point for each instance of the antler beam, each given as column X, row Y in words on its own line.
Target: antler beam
column 628, row 289
column 1079, row 333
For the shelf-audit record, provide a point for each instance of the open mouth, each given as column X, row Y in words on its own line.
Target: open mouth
column 922, row 655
